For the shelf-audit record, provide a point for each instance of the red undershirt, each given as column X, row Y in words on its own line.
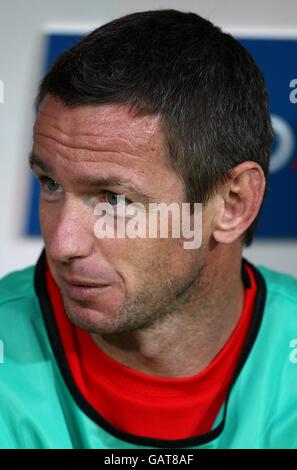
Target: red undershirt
column 141, row 404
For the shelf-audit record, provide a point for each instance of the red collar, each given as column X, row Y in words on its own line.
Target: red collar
column 145, row 405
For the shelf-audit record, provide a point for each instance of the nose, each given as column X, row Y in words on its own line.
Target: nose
column 70, row 235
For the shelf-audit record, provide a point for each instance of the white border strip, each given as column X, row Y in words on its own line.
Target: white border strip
column 69, row 28
column 244, row 32
column 269, row 33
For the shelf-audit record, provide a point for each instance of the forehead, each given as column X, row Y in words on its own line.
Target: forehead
column 106, row 128
column 106, row 142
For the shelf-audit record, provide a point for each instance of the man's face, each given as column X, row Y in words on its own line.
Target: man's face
column 108, row 285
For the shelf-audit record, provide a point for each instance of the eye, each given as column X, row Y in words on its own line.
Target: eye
column 50, row 185
column 115, row 199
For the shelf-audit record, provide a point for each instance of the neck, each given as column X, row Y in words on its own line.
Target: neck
column 184, row 343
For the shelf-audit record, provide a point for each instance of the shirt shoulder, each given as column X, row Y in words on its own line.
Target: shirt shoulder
column 280, row 284
column 17, row 285
column 19, row 304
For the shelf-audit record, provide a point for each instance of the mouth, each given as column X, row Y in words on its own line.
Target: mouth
column 82, row 290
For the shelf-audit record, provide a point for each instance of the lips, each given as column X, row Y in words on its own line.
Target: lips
column 84, row 283
column 82, row 289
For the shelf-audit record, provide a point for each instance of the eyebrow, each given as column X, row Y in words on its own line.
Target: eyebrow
column 34, row 160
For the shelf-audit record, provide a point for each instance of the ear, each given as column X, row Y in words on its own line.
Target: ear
column 238, row 201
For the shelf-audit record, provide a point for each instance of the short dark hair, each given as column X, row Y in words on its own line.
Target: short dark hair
column 207, row 89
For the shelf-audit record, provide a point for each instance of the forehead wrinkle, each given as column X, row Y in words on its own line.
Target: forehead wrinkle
column 95, row 161
column 89, row 148
column 148, row 129
column 141, row 136
column 120, row 139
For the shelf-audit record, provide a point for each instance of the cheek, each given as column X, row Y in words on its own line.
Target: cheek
column 128, row 256
column 147, row 262
column 49, row 217
column 134, row 260
column 181, row 262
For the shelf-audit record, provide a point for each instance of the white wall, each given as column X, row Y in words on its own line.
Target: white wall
column 21, row 25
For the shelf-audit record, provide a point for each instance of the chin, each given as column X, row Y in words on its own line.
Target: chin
column 92, row 317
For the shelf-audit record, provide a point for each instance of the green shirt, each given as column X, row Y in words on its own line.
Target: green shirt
column 42, row 408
